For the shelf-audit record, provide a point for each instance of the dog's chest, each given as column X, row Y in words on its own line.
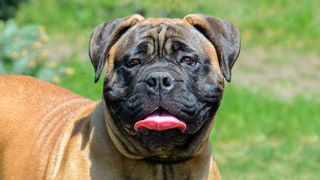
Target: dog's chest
column 163, row 172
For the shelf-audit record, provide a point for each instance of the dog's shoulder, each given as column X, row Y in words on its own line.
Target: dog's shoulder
column 25, row 100
column 20, row 85
column 36, row 120
column 31, row 90
column 21, row 94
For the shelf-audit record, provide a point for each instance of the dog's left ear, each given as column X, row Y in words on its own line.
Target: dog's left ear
column 104, row 36
column 223, row 35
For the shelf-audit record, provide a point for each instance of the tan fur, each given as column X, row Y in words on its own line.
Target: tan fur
column 51, row 133
column 211, row 51
column 111, row 55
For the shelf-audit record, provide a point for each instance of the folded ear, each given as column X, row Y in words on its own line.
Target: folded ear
column 104, row 36
column 223, row 35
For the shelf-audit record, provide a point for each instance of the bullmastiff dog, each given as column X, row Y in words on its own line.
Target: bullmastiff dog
column 163, row 86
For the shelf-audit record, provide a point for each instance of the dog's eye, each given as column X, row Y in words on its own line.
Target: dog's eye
column 133, row 62
column 188, row 61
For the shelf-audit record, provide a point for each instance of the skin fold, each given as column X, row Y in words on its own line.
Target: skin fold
column 158, row 66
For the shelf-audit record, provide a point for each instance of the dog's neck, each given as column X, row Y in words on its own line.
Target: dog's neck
column 132, row 148
column 131, row 165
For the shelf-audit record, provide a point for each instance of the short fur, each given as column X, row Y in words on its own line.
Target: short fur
column 51, row 133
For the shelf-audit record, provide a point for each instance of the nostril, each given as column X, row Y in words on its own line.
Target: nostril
column 157, row 81
column 151, row 81
column 167, row 81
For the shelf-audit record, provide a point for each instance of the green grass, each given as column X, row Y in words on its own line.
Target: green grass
column 259, row 137
column 278, row 23
column 82, row 82
column 255, row 136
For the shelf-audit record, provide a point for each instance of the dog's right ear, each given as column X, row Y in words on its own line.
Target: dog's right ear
column 104, row 36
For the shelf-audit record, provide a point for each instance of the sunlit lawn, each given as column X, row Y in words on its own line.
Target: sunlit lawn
column 260, row 137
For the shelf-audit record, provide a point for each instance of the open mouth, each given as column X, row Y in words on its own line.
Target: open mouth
column 160, row 120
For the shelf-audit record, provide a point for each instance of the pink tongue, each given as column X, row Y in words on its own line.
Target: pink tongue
column 160, row 122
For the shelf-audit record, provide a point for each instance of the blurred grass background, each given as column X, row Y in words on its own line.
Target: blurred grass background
column 269, row 123
column 273, row 22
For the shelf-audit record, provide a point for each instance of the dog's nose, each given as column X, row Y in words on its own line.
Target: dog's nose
column 159, row 81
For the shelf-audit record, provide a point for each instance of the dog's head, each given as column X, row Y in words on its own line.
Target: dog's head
column 165, row 79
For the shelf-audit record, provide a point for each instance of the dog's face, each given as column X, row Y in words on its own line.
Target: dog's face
column 165, row 77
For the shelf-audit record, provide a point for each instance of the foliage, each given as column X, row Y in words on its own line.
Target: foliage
column 22, row 52
column 8, row 8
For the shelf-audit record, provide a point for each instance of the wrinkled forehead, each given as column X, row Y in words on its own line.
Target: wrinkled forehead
column 161, row 34
column 164, row 31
